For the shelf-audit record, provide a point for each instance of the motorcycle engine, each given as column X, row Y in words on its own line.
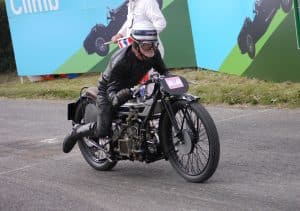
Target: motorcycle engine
column 129, row 140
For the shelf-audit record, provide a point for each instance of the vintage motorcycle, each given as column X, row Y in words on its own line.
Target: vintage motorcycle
column 162, row 121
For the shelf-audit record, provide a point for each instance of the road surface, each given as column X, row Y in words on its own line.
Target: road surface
column 259, row 167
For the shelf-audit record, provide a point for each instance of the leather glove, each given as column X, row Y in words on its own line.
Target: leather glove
column 121, row 97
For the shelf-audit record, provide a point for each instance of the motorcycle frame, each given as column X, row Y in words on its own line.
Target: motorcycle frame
column 166, row 101
column 166, row 109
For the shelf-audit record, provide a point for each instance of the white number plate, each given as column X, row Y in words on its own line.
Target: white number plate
column 174, row 82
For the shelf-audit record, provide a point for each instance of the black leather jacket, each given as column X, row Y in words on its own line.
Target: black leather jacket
column 125, row 70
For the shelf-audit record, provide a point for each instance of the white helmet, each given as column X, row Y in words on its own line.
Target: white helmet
column 144, row 31
column 145, row 39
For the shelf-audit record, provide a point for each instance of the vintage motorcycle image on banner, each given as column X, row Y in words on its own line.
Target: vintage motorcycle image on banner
column 162, row 121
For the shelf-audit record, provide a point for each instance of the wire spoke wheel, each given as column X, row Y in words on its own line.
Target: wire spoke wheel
column 93, row 156
column 194, row 152
column 94, row 153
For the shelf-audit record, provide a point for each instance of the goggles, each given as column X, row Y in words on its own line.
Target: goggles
column 148, row 45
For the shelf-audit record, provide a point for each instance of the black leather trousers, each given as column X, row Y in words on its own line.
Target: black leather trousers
column 104, row 117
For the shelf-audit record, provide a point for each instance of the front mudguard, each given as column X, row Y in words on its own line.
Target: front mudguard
column 188, row 98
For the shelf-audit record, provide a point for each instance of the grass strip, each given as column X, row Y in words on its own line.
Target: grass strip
column 212, row 87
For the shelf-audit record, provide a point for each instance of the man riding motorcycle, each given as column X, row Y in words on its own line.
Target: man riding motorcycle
column 125, row 69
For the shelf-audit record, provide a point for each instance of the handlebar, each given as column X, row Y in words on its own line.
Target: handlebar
column 155, row 77
column 139, row 91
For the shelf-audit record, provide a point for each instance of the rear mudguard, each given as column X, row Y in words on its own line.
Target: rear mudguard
column 86, row 93
column 72, row 107
column 186, row 97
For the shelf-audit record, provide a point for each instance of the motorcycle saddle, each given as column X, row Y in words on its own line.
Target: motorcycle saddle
column 92, row 92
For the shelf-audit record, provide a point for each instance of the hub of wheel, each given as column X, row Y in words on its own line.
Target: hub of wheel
column 185, row 145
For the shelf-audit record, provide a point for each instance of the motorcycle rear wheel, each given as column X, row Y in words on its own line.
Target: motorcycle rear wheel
column 90, row 153
column 195, row 156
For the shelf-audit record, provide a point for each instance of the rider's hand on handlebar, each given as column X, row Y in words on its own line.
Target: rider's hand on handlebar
column 155, row 76
column 135, row 92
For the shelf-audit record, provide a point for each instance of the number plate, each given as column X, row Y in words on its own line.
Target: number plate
column 174, row 82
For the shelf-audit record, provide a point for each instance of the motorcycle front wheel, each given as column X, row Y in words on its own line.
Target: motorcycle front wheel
column 85, row 113
column 194, row 152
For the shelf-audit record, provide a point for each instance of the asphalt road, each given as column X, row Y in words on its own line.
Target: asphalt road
column 259, row 166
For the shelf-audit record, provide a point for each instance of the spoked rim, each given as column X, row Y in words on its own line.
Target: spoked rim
column 191, row 150
column 95, row 154
column 88, row 151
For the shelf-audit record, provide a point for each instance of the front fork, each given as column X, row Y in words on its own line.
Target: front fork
column 186, row 116
column 171, row 115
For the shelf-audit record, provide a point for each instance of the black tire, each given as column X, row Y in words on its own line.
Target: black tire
column 286, row 5
column 100, row 48
column 250, row 46
column 89, row 152
column 206, row 131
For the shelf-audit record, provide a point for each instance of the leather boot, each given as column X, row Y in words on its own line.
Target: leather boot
column 79, row 131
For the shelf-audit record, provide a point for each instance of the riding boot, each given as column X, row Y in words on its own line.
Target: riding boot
column 79, row 131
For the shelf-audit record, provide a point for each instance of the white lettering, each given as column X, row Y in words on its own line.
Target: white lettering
column 13, row 8
column 34, row 6
column 39, row 4
column 24, row 6
column 45, row 5
column 29, row 6
column 55, row 7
